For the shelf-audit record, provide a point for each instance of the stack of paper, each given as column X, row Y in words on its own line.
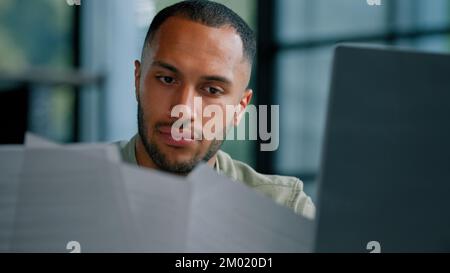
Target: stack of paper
column 51, row 195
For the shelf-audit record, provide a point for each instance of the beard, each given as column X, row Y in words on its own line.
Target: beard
column 161, row 160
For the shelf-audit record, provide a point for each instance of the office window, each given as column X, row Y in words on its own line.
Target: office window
column 300, row 49
column 302, row 20
column 37, row 37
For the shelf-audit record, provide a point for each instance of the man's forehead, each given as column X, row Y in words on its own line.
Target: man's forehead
column 178, row 33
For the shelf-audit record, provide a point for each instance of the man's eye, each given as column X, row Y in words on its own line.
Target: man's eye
column 166, row 79
column 213, row 90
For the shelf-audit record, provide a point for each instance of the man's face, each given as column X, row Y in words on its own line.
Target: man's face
column 186, row 60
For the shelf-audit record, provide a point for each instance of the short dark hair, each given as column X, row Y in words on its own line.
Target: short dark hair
column 208, row 13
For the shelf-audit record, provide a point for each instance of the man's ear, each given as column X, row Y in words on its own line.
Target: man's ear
column 137, row 78
column 245, row 100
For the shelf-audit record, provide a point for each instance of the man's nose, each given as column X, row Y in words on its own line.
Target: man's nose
column 186, row 97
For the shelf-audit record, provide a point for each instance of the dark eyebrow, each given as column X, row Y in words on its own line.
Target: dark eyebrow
column 217, row 79
column 166, row 66
column 172, row 68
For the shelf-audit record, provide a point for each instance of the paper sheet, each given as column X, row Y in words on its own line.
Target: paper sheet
column 53, row 194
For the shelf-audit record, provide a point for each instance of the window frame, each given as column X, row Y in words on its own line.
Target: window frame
column 269, row 48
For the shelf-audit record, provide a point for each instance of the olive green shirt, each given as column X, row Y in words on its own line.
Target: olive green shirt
column 284, row 190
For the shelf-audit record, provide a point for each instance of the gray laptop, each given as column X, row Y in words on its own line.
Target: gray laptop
column 385, row 175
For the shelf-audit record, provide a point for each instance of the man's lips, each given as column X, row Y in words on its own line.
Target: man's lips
column 166, row 134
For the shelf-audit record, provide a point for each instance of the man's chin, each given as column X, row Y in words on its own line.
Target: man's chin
column 179, row 167
column 176, row 154
column 175, row 159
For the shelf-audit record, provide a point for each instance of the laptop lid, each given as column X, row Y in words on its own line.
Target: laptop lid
column 385, row 175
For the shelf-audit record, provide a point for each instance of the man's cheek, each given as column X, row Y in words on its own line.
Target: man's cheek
column 159, row 104
column 148, row 118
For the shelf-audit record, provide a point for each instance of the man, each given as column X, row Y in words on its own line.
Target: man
column 199, row 49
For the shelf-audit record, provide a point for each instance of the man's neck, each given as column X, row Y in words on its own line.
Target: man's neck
column 144, row 160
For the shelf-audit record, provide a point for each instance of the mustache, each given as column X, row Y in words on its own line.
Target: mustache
column 185, row 125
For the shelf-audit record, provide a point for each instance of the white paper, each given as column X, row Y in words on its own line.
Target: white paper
column 66, row 196
column 53, row 194
column 228, row 216
column 158, row 203
column 101, row 150
column 11, row 160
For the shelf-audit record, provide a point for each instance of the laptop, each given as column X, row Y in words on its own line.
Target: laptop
column 384, row 183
